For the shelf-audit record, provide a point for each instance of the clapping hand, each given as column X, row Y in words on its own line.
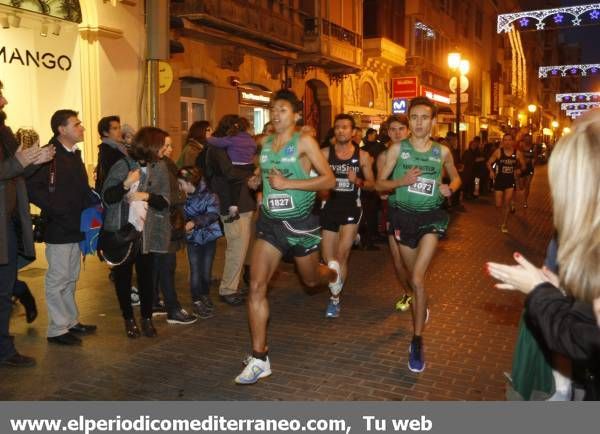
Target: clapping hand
column 521, row 277
column 28, row 156
column 47, row 154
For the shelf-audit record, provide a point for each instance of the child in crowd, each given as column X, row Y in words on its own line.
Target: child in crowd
column 232, row 135
column 202, row 231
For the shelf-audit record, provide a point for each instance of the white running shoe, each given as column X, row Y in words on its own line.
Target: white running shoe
column 254, row 371
column 336, row 287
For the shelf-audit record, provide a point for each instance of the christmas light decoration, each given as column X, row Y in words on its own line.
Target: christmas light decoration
column 573, row 97
column 575, row 113
column 579, row 106
column 572, row 69
column 559, row 15
column 429, row 32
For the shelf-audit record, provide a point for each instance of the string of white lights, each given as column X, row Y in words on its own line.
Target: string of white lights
column 583, row 69
column 576, row 97
column 576, row 13
column 579, row 106
column 429, row 32
column 575, row 113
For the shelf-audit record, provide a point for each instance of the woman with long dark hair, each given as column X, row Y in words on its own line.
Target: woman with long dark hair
column 138, row 182
column 194, row 143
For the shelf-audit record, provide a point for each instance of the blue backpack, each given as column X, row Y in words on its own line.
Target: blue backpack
column 91, row 223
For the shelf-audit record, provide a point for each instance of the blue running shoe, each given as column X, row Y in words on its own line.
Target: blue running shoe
column 333, row 309
column 416, row 361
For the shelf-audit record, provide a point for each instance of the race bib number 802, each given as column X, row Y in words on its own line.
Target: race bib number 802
column 280, row 202
column 423, row 186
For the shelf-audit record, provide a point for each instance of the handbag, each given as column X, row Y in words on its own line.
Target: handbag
column 119, row 247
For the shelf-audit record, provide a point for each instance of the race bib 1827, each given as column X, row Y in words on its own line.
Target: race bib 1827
column 280, row 202
column 423, row 186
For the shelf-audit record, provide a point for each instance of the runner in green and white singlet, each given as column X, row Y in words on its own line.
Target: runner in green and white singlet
column 284, row 204
column 414, row 213
column 285, row 223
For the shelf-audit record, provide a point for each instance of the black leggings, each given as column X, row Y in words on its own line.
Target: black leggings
column 122, row 277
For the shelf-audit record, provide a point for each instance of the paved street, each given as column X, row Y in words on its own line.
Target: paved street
column 360, row 356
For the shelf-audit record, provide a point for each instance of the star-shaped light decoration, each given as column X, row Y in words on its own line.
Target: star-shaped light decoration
column 595, row 14
column 540, row 25
column 573, row 71
column 558, row 18
column 524, row 22
column 576, row 21
column 554, row 71
column 594, row 70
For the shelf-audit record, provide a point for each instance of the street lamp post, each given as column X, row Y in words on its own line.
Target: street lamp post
column 555, row 126
column 460, row 67
column 532, row 109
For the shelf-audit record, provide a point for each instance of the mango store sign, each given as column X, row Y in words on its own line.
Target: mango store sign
column 31, row 58
column 40, row 75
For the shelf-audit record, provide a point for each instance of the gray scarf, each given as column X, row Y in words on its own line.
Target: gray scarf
column 115, row 145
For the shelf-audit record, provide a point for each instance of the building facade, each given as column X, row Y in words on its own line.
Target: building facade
column 236, row 53
column 85, row 55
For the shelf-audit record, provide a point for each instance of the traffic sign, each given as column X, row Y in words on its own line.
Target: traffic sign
column 464, row 84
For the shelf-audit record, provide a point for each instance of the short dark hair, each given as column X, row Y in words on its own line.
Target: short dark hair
column 191, row 174
column 2, row 118
column 289, row 96
column 146, row 144
column 104, row 124
column 401, row 119
column 345, row 117
column 423, row 100
column 370, row 131
column 60, row 118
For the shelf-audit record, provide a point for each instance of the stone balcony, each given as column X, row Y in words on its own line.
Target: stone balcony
column 233, row 20
column 330, row 46
column 381, row 53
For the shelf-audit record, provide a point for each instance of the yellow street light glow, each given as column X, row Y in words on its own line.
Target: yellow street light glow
column 454, row 60
column 566, row 130
column 464, row 67
column 555, row 124
column 532, row 108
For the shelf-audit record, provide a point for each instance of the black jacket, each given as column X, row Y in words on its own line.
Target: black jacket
column 107, row 157
column 62, row 207
column 569, row 327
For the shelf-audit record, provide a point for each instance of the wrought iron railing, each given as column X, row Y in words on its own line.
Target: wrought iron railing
column 314, row 27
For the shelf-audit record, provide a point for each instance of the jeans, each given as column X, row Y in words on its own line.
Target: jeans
column 164, row 278
column 8, row 275
column 122, row 277
column 201, row 257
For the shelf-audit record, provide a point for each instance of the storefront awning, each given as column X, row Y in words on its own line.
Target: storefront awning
column 68, row 10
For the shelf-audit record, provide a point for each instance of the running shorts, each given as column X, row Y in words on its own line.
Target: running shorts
column 296, row 237
column 334, row 216
column 505, row 182
column 409, row 227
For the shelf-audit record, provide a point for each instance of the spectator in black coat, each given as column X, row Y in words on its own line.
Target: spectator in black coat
column 60, row 189
column 112, row 148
